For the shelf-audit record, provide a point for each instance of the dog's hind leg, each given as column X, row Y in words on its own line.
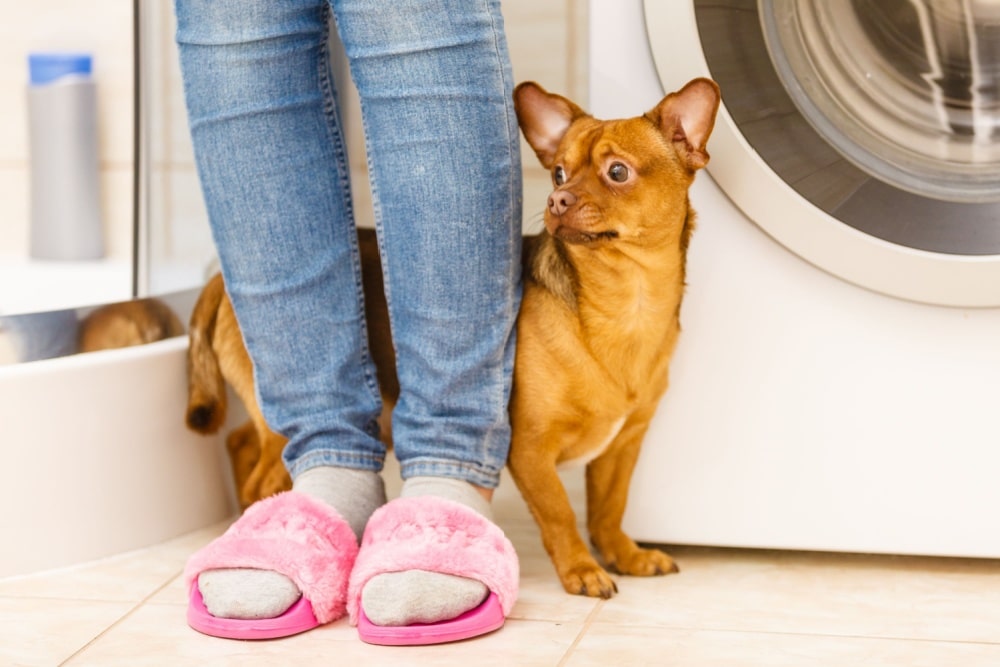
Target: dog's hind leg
column 244, row 451
column 274, row 476
column 269, row 475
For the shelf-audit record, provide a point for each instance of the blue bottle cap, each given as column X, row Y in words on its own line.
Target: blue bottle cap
column 47, row 67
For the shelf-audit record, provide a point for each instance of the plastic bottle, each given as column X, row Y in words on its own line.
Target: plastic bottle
column 62, row 129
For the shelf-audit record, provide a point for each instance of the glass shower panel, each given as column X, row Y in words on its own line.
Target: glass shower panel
column 175, row 244
column 66, row 154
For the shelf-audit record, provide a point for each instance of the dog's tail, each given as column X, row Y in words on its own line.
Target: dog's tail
column 206, row 409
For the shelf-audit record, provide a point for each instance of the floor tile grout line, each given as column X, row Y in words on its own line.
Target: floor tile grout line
column 121, row 619
column 828, row 635
column 587, row 623
column 793, row 633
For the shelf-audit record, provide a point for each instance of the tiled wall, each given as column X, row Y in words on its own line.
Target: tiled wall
column 547, row 42
column 178, row 227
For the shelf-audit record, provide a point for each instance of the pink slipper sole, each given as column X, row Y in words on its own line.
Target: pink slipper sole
column 485, row 618
column 435, row 535
column 302, row 538
column 298, row 618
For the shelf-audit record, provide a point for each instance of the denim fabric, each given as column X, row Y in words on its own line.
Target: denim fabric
column 435, row 86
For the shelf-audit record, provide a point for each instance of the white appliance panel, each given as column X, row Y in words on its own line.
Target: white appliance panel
column 804, row 411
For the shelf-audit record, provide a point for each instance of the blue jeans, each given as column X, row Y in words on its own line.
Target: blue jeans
column 435, row 84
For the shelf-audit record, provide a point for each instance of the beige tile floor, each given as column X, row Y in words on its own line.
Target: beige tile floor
column 727, row 608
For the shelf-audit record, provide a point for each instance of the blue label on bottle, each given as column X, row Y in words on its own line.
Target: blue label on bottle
column 47, row 67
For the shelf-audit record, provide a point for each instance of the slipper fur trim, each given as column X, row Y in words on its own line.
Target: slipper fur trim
column 294, row 534
column 436, row 535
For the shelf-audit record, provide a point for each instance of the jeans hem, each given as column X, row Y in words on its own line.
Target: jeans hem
column 335, row 459
column 469, row 472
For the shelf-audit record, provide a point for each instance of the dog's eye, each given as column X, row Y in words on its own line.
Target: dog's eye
column 618, row 172
column 559, row 175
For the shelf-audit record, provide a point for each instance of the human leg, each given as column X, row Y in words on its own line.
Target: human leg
column 271, row 160
column 270, row 157
column 435, row 87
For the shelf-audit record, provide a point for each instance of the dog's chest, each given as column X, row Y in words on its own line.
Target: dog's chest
column 632, row 345
column 591, row 453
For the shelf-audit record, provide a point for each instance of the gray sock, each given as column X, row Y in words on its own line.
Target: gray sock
column 418, row 596
column 253, row 594
column 356, row 494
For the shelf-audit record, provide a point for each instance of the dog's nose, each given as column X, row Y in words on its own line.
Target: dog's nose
column 560, row 201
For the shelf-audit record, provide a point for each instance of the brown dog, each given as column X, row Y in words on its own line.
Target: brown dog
column 599, row 319
column 126, row 324
column 217, row 355
column 598, row 324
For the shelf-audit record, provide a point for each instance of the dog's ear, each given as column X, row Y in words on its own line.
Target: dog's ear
column 544, row 118
column 687, row 117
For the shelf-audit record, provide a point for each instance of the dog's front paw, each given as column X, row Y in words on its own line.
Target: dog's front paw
column 640, row 562
column 589, row 580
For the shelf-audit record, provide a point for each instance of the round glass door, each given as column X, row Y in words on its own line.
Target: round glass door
column 864, row 135
column 867, row 116
column 908, row 91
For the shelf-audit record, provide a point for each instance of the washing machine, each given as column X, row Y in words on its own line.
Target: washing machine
column 837, row 381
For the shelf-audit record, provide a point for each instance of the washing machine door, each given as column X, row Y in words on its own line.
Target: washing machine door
column 864, row 135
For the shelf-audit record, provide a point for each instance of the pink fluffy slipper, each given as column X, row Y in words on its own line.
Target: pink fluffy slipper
column 302, row 538
column 436, row 535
